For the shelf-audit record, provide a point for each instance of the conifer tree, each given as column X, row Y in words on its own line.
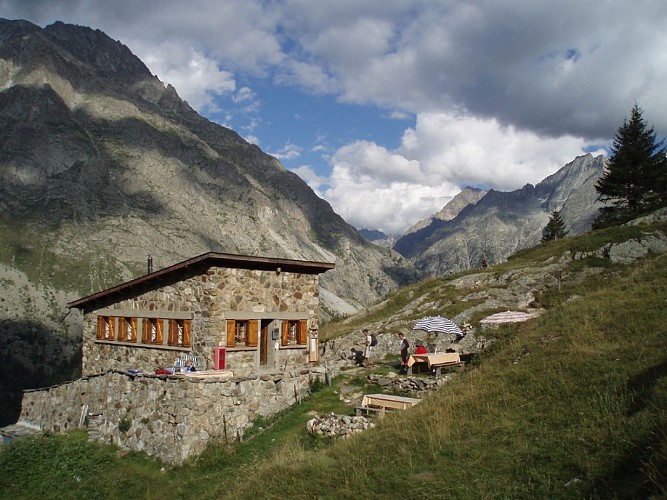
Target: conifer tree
column 555, row 228
column 635, row 177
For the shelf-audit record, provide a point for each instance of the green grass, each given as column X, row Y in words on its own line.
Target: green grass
column 572, row 404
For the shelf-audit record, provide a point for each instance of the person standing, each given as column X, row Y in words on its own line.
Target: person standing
column 368, row 340
column 405, row 345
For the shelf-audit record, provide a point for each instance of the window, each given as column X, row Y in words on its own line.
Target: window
column 294, row 332
column 179, row 332
column 127, row 329
column 152, row 331
column 242, row 333
column 105, row 328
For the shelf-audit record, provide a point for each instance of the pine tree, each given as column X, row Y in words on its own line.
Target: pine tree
column 555, row 228
column 635, row 177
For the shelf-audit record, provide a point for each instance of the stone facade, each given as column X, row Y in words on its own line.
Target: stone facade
column 208, row 301
column 172, row 417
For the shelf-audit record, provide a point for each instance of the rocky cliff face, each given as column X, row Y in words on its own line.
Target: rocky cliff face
column 498, row 224
column 102, row 165
column 102, row 161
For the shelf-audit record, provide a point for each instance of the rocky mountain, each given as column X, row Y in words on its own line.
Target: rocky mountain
column 101, row 165
column 497, row 224
column 467, row 196
column 378, row 237
column 107, row 165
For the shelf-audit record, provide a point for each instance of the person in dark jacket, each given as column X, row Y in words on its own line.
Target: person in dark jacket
column 405, row 345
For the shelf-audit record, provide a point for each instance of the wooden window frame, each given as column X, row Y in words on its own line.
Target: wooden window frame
column 152, row 331
column 179, row 332
column 294, row 332
column 127, row 329
column 105, row 328
column 242, row 332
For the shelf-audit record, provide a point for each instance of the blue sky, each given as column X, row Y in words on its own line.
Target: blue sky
column 388, row 109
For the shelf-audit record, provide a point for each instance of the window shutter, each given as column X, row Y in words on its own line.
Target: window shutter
column 146, row 331
column 133, row 329
column 284, row 334
column 251, row 339
column 159, row 337
column 173, row 332
column 112, row 328
column 122, row 329
column 231, row 331
column 302, row 333
column 186, row 332
column 101, row 328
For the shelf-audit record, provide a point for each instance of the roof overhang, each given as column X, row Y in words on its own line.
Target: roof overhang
column 201, row 264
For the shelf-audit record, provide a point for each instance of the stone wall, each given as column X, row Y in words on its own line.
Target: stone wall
column 208, row 301
column 172, row 417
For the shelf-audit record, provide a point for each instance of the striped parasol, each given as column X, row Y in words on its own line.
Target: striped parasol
column 438, row 324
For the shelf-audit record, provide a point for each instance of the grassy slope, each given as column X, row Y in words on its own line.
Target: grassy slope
column 572, row 404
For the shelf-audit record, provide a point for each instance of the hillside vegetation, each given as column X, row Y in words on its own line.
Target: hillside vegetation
column 572, row 404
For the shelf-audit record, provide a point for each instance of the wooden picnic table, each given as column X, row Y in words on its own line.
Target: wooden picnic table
column 435, row 361
column 384, row 402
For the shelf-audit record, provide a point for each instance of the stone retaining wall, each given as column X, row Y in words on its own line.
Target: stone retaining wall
column 169, row 416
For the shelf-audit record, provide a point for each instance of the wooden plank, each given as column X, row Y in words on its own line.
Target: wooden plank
column 207, row 374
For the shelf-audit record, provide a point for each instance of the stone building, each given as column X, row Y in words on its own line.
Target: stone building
column 248, row 323
column 244, row 314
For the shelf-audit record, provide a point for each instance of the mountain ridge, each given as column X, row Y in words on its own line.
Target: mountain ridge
column 500, row 223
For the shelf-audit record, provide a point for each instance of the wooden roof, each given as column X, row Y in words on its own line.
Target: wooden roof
column 200, row 264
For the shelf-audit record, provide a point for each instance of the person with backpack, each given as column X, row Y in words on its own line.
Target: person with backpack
column 370, row 341
column 405, row 345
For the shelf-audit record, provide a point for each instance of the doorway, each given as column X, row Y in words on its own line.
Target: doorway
column 264, row 342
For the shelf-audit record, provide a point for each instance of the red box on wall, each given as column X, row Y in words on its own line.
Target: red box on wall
column 219, row 358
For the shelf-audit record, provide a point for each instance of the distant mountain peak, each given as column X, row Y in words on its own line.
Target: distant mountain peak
column 468, row 195
column 500, row 223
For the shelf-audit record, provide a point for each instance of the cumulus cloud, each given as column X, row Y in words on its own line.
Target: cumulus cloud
column 561, row 68
column 315, row 181
column 288, row 152
column 196, row 77
column 372, row 187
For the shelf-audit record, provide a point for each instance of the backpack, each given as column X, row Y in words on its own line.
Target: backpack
column 374, row 340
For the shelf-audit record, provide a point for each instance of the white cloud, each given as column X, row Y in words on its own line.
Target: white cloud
column 468, row 150
column 288, row 152
column 196, row 78
column 372, row 187
column 315, row 181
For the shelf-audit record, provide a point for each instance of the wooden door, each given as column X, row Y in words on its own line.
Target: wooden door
column 264, row 342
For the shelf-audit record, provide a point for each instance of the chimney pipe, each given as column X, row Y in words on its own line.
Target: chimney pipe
column 150, row 264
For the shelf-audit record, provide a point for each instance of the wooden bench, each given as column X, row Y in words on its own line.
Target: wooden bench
column 358, row 410
column 437, row 368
